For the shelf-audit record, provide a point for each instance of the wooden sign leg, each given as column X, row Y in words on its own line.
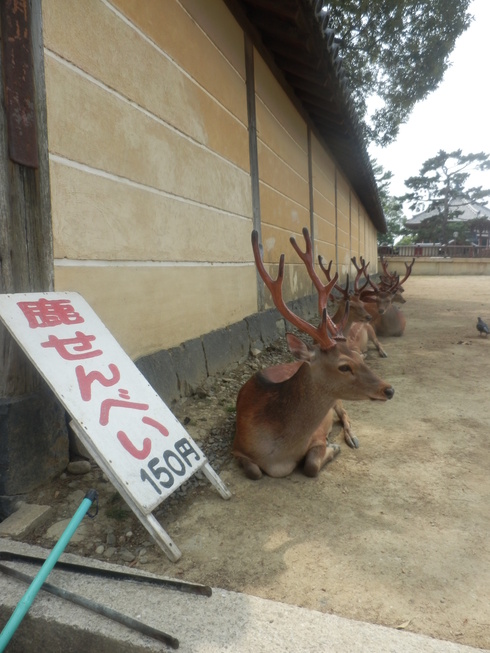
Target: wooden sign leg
column 213, row 478
column 160, row 536
column 151, row 524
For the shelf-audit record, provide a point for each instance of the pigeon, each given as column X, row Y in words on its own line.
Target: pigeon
column 482, row 327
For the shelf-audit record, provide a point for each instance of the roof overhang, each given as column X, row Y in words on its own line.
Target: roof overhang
column 294, row 39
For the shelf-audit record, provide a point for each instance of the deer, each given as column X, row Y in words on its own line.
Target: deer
column 387, row 279
column 284, row 413
column 388, row 319
column 357, row 331
column 353, row 310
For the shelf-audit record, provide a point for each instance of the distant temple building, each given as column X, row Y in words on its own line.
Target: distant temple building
column 479, row 233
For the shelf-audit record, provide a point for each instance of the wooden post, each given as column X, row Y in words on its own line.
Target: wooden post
column 33, row 430
column 254, row 157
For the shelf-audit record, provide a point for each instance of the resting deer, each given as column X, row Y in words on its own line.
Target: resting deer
column 357, row 331
column 350, row 311
column 388, row 278
column 388, row 320
column 284, row 413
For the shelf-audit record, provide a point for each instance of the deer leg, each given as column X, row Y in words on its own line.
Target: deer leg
column 320, row 451
column 251, row 469
column 372, row 337
column 349, row 436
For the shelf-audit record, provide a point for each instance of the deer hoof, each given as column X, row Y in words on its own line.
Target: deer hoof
column 383, row 354
column 252, row 471
column 335, row 447
column 351, row 440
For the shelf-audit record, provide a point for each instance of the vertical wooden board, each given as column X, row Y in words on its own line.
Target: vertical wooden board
column 18, row 76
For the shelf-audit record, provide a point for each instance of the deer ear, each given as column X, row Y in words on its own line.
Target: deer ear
column 298, row 348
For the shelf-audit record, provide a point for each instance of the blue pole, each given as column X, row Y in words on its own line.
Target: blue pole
column 26, row 601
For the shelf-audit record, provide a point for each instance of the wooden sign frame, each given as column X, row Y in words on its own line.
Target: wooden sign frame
column 122, row 422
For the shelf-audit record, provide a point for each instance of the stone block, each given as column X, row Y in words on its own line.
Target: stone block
column 159, row 371
column 190, row 364
column 269, row 326
column 25, row 519
column 34, row 444
column 225, row 347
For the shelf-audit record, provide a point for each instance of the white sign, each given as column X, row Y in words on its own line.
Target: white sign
column 125, row 422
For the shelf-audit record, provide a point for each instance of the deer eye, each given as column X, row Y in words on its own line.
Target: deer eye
column 345, row 368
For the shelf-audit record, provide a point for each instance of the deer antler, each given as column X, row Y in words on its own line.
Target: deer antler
column 346, row 294
column 361, row 269
column 326, row 271
column 322, row 290
column 389, row 277
column 320, row 333
column 387, row 273
column 408, row 273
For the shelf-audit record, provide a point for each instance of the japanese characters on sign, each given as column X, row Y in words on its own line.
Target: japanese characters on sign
column 124, row 418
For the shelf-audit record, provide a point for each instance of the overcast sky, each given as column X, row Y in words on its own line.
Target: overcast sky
column 455, row 116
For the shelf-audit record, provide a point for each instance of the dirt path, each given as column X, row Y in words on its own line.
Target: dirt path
column 396, row 532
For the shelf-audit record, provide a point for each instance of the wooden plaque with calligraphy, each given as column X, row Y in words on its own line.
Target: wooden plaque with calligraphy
column 123, row 423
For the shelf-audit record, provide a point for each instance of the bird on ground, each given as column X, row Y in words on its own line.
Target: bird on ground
column 482, row 327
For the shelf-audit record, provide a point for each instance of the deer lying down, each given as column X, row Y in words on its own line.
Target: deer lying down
column 388, row 320
column 358, row 330
column 351, row 313
column 284, row 413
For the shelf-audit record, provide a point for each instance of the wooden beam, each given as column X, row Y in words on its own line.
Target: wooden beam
column 33, row 431
column 18, row 78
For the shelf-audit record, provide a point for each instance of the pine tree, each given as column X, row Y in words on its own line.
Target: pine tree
column 441, row 188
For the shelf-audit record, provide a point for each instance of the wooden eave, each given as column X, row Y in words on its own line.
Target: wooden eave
column 294, row 39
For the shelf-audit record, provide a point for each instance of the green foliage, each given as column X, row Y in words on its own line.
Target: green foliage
column 479, row 226
column 392, row 207
column 441, row 187
column 397, row 50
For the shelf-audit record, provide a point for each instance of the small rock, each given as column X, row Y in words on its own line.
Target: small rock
column 76, row 497
column 201, row 392
column 110, row 539
column 79, row 467
column 55, row 531
column 126, row 555
column 100, row 549
column 110, row 551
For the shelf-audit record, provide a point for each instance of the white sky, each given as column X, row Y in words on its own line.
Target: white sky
column 455, row 116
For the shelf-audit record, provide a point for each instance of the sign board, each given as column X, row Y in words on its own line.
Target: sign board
column 121, row 420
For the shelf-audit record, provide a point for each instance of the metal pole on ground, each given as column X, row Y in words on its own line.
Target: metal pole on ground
column 26, row 601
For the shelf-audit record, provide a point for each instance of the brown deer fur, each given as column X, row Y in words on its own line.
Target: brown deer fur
column 284, row 413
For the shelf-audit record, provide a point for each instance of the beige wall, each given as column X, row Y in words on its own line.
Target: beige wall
column 283, row 172
column 150, row 170
column 430, row 266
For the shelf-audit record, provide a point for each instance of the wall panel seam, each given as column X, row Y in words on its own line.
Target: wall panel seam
column 82, row 167
column 111, row 91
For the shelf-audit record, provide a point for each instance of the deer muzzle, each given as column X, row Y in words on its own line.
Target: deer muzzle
column 389, row 392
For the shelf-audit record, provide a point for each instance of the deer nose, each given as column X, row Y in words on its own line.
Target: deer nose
column 389, row 392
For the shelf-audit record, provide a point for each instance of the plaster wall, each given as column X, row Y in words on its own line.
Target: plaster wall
column 441, row 266
column 150, row 170
column 149, row 167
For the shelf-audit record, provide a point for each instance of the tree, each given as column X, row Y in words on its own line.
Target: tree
column 480, row 226
column 397, row 50
column 441, row 190
column 392, row 207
